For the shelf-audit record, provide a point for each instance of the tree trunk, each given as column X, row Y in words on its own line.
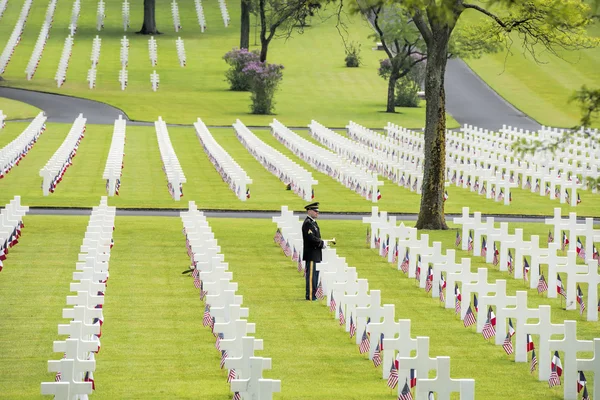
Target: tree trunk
column 391, row 94
column 264, row 48
column 149, row 26
column 245, row 25
column 431, row 214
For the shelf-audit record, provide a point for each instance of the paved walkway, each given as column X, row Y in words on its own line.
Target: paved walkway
column 469, row 100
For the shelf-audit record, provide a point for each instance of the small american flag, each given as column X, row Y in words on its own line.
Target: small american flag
column 223, row 357
column 507, row 345
column 456, row 299
column 364, row 343
column 237, row 396
column 218, row 341
column 342, row 318
column 458, row 239
column 429, row 280
column 332, row 303
column 406, row 394
column 469, row 318
column 534, row 362
column 278, row 237
column 542, row 285
column 197, row 283
column 206, row 320
column 352, row 327
column 377, row 356
column 295, row 255
column 405, row 262
column 580, row 300
column 392, row 381
column 488, row 329
column 300, row 268
column 231, row 375
column 554, row 379
column 319, row 292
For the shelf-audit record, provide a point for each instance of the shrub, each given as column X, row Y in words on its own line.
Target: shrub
column 407, row 92
column 237, row 60
column 263, row 79
column 353, row 55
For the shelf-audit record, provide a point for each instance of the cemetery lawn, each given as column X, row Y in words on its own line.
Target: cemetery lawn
column 16, row 110
column 542, row 90
column 153, row 342
column 144, row 183
column 316, row 83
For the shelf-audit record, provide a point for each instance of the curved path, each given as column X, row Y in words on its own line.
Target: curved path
column 468, row 98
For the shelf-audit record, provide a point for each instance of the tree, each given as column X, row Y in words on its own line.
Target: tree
column 401, row 42
column 539, row 24
column 245, row 24
column 283, row 15
column 149, row 26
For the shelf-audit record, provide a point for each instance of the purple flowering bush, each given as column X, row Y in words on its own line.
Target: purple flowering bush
column 237, row 60
column 263, row 79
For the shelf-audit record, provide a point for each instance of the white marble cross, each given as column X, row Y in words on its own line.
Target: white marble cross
column 569, row 267
column 467, row 223
column 479, row 286
column 484, row 229
column 352, row 301
column 593, row 365
column 569, row 345
column 241, row 364
column 433, row 256
column 529, row 248
column 545, row 329
column 373, row 219
column 500, row 300
column 234, row 334
column 464, row 274
column 374, row 312
column 255, row 386
column 340, row 289
column 507, row 242
column 592, row 279
column 154, row 80
column 420, row 247
column 69, row 387
column 75, row 348
column 421, row 362
column 448, row 266
column 521, row 313
column 403, row 344
column 443, row 385
column 485, row 300
column 387, row 326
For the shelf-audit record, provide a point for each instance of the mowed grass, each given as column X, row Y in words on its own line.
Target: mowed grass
column 542, row 89
column 144, row 183
column 16, row 110
column 316, row 83
column 153, row 342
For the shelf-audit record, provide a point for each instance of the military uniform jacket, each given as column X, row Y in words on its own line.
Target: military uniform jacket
column 312, row 243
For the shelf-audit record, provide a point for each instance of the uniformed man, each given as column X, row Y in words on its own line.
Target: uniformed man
column 312, row 247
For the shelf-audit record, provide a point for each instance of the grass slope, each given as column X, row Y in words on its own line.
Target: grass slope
column 316, row 84
column 17, row 110
column 153, row 344
column 144, row 182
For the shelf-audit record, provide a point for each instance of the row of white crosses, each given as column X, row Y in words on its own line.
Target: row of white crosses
column 54, row 170
column 224, row 12
column 124, row 57
column 100, row 15
column 351, row 300
column 74, row 372
column 3, row 4
column 2, row 120
column 12, row 154
column 94, row 58
column 289, row 172
column 171, row 166
column 11, row 224
column 176, row 18
column 76, row 10
column 224, row 313
column 154, row 80
column 476, row 163
column 63, row 64
column 15, row 36
column 180, row 51
column 507, row 307
column 200, row 15
column 363, row 156
column 566, row 265
column 400, row 160
column 114, row 163
column 236, row 178
column 40, row 44
column 125, row 12
column 153, row 51
column 327, row 162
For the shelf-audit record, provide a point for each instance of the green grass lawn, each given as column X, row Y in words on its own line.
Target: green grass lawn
column 144, row 183
column 153, row 344
column 542, row 89
column 316, row 84
column 17, row 110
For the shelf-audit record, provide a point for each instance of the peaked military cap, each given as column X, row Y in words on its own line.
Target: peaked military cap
column 312, row 206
